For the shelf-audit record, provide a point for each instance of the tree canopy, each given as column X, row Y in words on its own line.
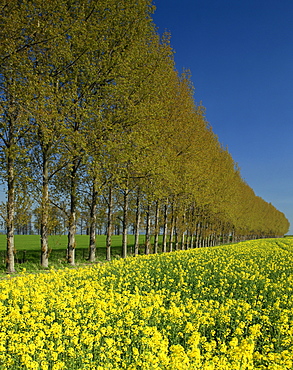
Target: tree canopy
column 91, row 102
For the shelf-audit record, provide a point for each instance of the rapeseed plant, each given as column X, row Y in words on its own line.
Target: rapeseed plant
column 227, row 308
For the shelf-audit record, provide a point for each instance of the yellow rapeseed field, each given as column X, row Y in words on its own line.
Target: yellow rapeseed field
column 214, row 308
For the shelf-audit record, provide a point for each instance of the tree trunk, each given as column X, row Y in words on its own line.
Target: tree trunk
column 137, row 224
column 182, row 241
column 10, row 215
column 93, row 222
column 197, row 240
column 187, row 241
column 109, row 225
column 125, row 223
column 148, row 230
column 183, row 233
column 156, row 241
column 191, row 241
column 72, row 218
column 233, row 235
column 164, row 248
column 176, row 233
column 172, row 229
column 45, row 214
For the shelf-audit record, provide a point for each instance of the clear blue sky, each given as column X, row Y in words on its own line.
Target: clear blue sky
column 240, row 54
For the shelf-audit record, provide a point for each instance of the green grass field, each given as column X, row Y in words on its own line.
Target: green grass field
column 28, row 250
column 32, row 242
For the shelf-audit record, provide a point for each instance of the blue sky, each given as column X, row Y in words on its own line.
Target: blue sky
column 240, row 54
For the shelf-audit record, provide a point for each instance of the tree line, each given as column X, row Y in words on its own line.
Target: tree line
column 95, row 120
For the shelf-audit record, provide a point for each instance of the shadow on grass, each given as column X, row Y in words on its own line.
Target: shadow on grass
column 29, row 260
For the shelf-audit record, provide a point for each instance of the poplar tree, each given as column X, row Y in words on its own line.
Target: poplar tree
column 14, row 123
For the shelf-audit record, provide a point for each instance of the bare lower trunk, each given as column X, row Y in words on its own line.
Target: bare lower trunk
column 137, row 225
column 148, row 230
column 72, row 218
column 10, row 216
column 182, row 241
column 71, row 239
column 233, row 235
column 156, row 241
column 176, row 234
column 192, row 240
column 109, row 225
column 197, row 241
column 172, row 229
column 125, row 224
column 164, row 248
column 45, row 215
column 187, row 240
column 183, row 246
column 93, row 221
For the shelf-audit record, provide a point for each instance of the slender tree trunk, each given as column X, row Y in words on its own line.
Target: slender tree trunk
column 197, row 237
column 176, row 234
column 93, row 224
column 125, row 223
column 183, row 233
column 172, row 228
column 182, row 241
column 109, row 225
column 148, row 230
column 210, row 236
column 137, row 224
column 203, row 235
column 187, row 239
column 165, row 229
column 157, row 214
column 192, row 240
column 233, row 235
column 10, row 214
column 72, row 217
column 192, row 227
column 207, row 229
column 45, row 213
column 221, row 234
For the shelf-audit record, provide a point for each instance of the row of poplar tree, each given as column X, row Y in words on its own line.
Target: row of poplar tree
column 93, row 108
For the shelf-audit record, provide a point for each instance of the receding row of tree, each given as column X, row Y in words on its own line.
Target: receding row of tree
column 94, row 115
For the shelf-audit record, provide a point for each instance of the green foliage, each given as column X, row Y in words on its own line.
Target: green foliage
column 90, row 98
